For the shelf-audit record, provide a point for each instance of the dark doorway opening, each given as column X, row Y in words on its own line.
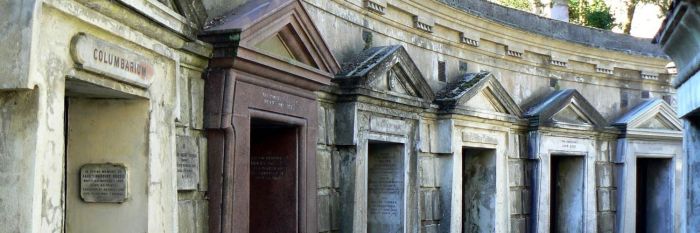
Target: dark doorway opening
column 566, row 203
column 654, row 195
column 274, row 153
column 385, row 194
column 479, row 189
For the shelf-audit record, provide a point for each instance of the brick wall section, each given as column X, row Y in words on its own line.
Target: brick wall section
column 430, row 208
column 327, row 171
column 519, row 182
column 606, row 189
column 520, row 195
column 193, row 206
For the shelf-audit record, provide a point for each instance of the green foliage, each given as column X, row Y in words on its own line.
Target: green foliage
column 594, row 14
column 523, row 5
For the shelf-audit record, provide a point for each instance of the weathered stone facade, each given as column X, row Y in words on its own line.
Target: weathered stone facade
column 73, row 94
column 333, row 116
column 679, row 39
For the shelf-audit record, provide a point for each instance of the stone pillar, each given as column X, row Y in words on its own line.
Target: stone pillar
column 560, row 10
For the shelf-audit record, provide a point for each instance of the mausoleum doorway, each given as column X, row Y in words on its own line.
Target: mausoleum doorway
column 476, row 139
column 381, row 97
column 566, row 201
column 106, row 163
column 274, row 162
column 479, row 189
column 654, row 199
column 650, row 168
column 566, row 141
column 261, row 117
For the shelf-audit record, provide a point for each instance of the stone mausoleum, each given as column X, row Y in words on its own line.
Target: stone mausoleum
column 320, row 116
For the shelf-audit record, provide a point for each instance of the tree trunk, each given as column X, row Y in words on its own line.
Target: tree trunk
column 582, row 5
column 627, row 25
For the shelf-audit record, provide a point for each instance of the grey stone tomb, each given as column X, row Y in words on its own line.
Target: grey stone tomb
column 381, row 96
column 473, row 155
column 650, row 169
column 563, row 141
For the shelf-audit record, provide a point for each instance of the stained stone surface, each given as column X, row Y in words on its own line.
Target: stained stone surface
column 567, row 191
column 479, row 194
column 385, row 195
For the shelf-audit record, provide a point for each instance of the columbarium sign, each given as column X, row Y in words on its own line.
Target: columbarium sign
column 105, row 183
column 114, row 61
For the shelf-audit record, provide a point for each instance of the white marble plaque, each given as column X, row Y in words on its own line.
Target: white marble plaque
column 385, row 188
column 105, row 183
column 111, row 60
column 187, row 171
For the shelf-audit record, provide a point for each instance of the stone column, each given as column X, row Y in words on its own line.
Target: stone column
column 560, row 10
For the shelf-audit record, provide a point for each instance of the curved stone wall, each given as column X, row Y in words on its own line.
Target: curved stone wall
column 613, row 71
column 556, row 29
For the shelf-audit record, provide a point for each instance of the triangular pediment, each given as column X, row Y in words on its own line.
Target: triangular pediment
column 398, row 82
column 565, row 108
column 571, row 115
column 276, row 45
column 387, row 69
column 287, row 44
column 486, row 101
column 656, row 123
column 650, row 115
column 272, row 33
column 477, row 91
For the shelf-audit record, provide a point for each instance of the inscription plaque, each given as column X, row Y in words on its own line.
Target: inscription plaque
column 479, row 138
column 388, row 125
column 187, row 171
column 385, row 188
column 569, row 144
column 117, row 62
column 105, row 183
column 268, row 167
column 273, row 179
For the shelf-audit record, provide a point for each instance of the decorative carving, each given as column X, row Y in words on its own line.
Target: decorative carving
column 376, row 6
column 603, row 70
column 649, row 76
column 423, row 23
column 557, row 63
column 514, row 53
column 467, row 40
